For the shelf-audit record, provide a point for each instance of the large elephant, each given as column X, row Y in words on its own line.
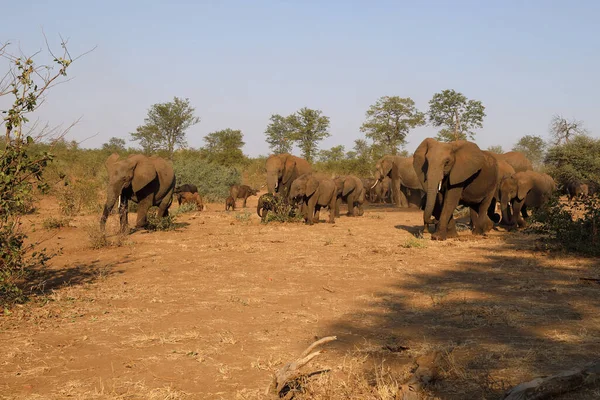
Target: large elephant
column 456, row 173
column 400, row 170
column 314, row 192
column 523, row 190
column 350, row 190
column 383, row 190
column 282, row 169
column 148, row 181
column 517, row 160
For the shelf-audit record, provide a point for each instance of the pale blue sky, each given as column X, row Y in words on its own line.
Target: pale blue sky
column 241, row 61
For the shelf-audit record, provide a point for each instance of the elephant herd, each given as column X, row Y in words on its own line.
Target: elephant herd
column 438, row 178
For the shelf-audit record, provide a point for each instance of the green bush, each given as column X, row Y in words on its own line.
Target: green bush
column 213, row 180
column 573, row 233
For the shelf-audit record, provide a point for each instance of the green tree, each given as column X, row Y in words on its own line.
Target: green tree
column 114, row 145
column 390, row 119
column 224, row 147
column 278, row 133
column 496, row 149
column 577, row 159
column 165, row 126
column 335, row 154
column 562, row 130
column 457, row 115
column 309, row 127
column 533, row 147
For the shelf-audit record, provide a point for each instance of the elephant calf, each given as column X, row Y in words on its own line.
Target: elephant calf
column 242, row 192
column 229, row 204
column 350, row 190
column 190, row 198
column 523, row 190
column 314, row 192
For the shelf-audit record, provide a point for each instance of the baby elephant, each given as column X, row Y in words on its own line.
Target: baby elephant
column 266, row 203
column 190, row 198
column 229, row 204
column 313, row 192
column 242, row 192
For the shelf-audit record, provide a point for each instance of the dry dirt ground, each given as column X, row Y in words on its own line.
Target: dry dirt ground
column 209, row 310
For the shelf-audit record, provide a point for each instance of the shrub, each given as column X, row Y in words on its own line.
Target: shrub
column 55, row 223
column 213, row 180
column 573, row 233
column 155, row 223
column 282, row 211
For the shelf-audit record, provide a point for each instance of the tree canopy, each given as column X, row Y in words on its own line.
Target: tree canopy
column 278, row 133
column 165, row 126
column 577, row 159
column 562, row 130
column 390, row 119
column 533, row 147
column 309, row 127
column 114, row 145
column 457, row 115
column 224, row 147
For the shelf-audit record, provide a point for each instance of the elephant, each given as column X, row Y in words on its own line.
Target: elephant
column 148, row 181
column 505, row 170
column 229, row 204
column 350, row 190
column 517, row 160
column 369, row 185
column 456, row 173
column 266, row 203
column 383, row 190
column 188, row 187
column 400, row 170
column 314, row 192
column 242, row 192
column 577, row 189
column 523, row 190
column 190, row 198
column 282, row 170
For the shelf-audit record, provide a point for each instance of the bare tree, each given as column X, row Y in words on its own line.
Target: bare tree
column 562, row 130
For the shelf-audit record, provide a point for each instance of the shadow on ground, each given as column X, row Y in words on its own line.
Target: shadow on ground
column 503, row 318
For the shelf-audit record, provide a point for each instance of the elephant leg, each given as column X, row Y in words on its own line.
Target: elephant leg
column 123, row 212
column 332, row 205
column 244, row 205
column 143, row 207
column 350, row 212
column 360, row 210
column 310, row 209
column 451, row 230
column 402, row 198
column 517, row 207
column 338, row 203
column 396, row 192
column 317, row 216
column 163, row 207
column 451, row 199
column 483, row 223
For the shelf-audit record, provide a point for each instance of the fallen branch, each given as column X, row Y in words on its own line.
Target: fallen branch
column 566, row 381
column 289, row 373
column 597, row 280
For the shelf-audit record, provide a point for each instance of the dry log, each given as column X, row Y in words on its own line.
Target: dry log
column 290, row 372
column 566, row 381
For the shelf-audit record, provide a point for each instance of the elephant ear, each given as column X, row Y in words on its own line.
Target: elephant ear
column 524, row 186
column 111, row 160
column 312, row 185
column 468, row 159
column 349, row 185
column 289, row 166
column 143, row 171
column 419, row 159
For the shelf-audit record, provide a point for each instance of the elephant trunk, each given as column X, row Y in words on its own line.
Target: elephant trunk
column 259, row 208
column 434, row 182
column 111, row 199
column 506, row 212
column 272, row 183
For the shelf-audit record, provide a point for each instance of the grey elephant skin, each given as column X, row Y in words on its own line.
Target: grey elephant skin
column 241, row 192
column 517, row 160
column 522, row 191
column 456, row 173
column 400, row 170
column 148, row 181
column 350, row 190
column 282, row 170
column 314, row 192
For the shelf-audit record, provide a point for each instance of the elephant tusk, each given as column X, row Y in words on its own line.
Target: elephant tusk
column 375, row 184
column 119, row 205
column 440, row 186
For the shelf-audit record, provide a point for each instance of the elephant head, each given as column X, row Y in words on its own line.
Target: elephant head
column 440, row 165
column 280, row 168
column 383, row 168
column 134, row 173
column 304, row 186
